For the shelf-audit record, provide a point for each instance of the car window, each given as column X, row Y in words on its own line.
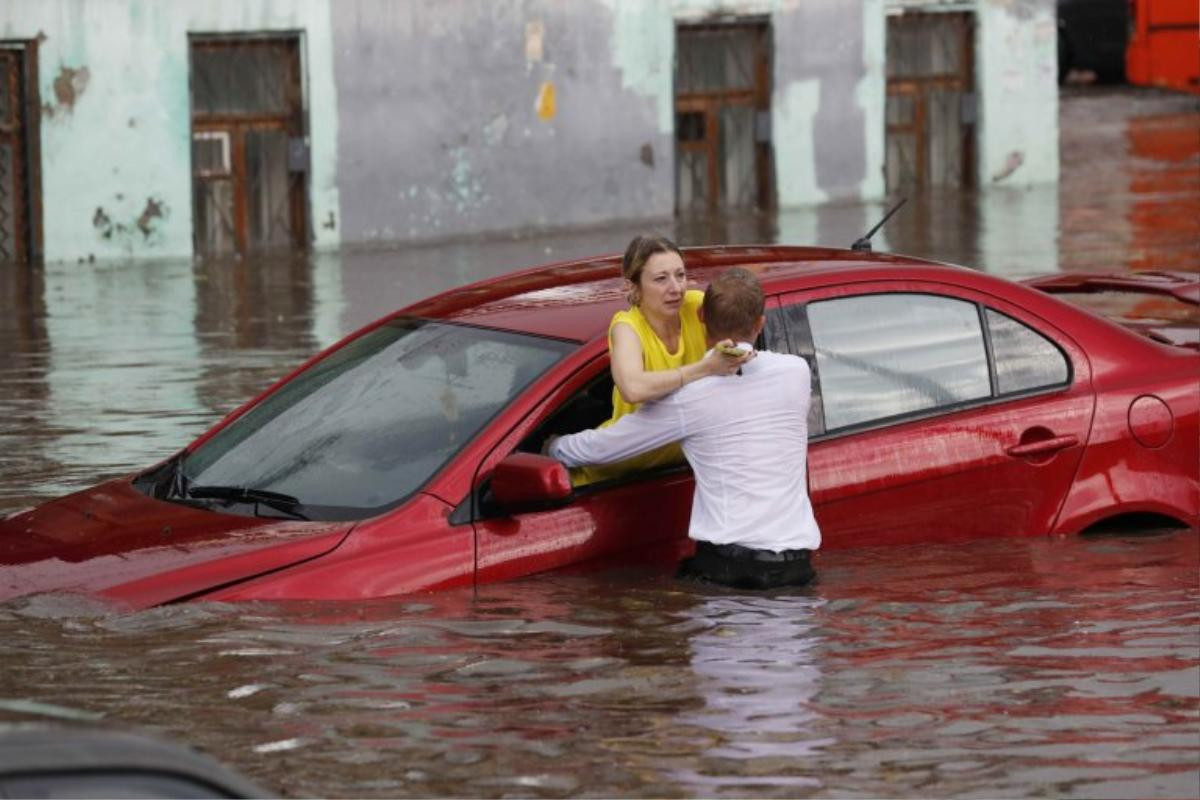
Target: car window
column 798, row 341
column 886, row 355
column 587, row 408
column 774, row 336
column 366, row 426
column 1024, row 358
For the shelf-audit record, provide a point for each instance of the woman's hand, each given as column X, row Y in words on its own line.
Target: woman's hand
column 716, row 362
column 637, row 385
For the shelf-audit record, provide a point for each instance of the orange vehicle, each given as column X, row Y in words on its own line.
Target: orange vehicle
column 1164, row 44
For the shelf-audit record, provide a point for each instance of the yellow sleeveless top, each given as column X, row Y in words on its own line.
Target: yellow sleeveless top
column 693, row 345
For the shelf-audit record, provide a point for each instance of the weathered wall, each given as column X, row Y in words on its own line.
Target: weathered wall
column 1016, row 79
column 438, row 118
column 828, row 77
column 116, row 160
column 447, row 125
column 465, row 117
column 1017, row 62
column 827, row 92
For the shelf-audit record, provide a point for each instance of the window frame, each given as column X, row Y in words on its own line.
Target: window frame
column 795, row 320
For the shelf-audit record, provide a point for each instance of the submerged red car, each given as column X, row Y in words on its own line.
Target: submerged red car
column 948, row 404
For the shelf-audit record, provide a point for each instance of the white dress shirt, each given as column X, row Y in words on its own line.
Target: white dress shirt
column 746, row 437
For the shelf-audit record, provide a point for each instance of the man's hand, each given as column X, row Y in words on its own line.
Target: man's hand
column 550, row 440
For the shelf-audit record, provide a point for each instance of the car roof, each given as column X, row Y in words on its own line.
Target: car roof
column 576, row 299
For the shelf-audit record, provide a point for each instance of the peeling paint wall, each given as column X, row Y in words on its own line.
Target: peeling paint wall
column 823, row 146
column 1017, row 62
column 439, row 118
column 116, row 128
column 461, row 117
column 827, row 91
column 1016, row 78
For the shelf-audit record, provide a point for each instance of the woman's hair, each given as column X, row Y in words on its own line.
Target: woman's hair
column 638, row 253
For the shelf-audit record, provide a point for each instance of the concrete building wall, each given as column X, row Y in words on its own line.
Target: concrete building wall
column 828, row 82
column 437, row 118
column 1017, row 62
column 1016, row 78
column 116, row 128
column 467, row 117
column 461, row 117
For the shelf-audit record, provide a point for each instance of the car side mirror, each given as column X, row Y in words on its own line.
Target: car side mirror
column 525, row 479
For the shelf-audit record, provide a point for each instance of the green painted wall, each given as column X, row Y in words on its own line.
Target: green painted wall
column 433, row 119
column 1016, row 79
column 115, row 132
column 1017, row 66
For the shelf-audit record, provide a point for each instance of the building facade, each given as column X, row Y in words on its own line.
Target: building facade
column 143, row 129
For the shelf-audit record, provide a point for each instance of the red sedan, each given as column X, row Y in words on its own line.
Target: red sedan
column 948, row 404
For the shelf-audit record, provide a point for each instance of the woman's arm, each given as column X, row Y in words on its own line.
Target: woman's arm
column 638, row 385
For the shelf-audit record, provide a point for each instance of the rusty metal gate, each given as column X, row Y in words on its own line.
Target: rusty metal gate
column 931, row 104
column 722, row 117
column 249, row 156
column 19, row 194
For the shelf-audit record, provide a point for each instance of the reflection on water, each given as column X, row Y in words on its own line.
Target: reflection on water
column 987, row 669
column 1067, row 668
column 1130, row 190
column 1166, row 181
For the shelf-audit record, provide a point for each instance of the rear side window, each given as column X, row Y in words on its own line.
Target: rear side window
column 1025, row 359
column 887, row 355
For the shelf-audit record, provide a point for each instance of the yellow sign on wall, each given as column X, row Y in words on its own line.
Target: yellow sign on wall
column 545, row 101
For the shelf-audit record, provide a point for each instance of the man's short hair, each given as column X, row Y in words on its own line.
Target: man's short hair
column 733, row 303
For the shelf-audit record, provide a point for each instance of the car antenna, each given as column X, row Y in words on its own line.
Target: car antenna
column 863, row 245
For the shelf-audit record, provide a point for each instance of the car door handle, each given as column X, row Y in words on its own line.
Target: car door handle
column 1044, row 447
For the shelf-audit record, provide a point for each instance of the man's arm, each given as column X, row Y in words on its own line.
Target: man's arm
column 651, row 426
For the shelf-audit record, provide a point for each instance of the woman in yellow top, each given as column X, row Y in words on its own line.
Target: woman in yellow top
column 657, row 346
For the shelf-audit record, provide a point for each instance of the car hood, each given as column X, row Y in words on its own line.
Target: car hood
column 114, row 541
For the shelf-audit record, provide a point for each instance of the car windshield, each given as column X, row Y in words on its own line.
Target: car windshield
column 368, row 425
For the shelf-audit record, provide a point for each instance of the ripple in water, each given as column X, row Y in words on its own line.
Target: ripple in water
column 995, row 668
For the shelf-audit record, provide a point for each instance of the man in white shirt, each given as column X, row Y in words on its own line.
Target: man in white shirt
column 746, row 437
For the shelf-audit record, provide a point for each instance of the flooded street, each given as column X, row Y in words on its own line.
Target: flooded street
column 997, row 669
column 1015, row 668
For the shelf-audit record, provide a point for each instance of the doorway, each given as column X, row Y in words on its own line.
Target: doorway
column 20, row 188
column 249, row 150
column 722, row 117
column 931, row 102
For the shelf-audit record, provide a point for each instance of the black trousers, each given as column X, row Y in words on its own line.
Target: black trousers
column 747, row 568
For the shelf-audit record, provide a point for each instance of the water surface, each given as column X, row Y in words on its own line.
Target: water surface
column 1007, row 668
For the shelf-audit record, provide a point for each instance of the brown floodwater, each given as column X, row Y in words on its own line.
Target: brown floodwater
column 1031, row 668
column 1006, row 668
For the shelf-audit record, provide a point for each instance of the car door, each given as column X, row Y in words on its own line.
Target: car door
column 939, row 413
column 646, row 514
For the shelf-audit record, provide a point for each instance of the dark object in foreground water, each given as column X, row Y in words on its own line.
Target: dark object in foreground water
column 48, row 762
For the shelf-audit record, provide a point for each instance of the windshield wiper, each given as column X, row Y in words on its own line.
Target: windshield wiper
column 284, row 503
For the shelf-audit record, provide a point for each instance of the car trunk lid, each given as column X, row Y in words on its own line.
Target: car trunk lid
column 1163, row 306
